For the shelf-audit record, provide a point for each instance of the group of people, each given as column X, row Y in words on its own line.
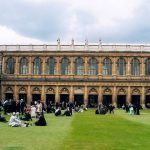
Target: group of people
column 103, row 109
column 11, row 105
column 132, row 109
column 64, row 109
column 22, row 115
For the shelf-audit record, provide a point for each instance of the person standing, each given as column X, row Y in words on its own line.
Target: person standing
column 22, row 106
column 39, row 108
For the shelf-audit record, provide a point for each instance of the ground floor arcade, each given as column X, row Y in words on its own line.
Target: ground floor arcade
column 89, row 95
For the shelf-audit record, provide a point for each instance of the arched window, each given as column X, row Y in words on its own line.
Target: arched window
column 121, row 67
column 51, row 66
column 10, row 66
column 23, row 66
column 135, row 67
column 79, row 68
column 147, row 67
column 37, row 66
column 107, row 67
column 93, row 68
column 65, row 66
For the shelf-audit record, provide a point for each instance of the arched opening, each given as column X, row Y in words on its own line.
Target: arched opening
column 121, row 66
column 51, row 66
column 10, row 66
column 23, row 66
column 147, row 99
column 107, row 97
column 65, row 63
column 93, row 101
column 50, row 96
column 135, row 67
column 79, row 66
column 37, row 66
column 136, row 97
column 36, row 94
column 36, row 97
column 107, row 67
column 9, row 96
column 93, row 67
column 93, row 98
column 22, row 94
column 9, row 93
column 121, row 98
column 64, row 97
column 107, row 100
column 78, row 97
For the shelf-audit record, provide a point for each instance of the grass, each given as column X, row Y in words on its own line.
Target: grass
column 83, row 131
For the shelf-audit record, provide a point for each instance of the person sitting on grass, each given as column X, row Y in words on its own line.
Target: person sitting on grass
column 41, row 121
column 14, row 121
column 67, row 112
column 2, row 119
column 27, row 116
column 58, row 112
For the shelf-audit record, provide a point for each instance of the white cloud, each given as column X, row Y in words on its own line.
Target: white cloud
column 36, row 1
column 104, row 15
column 111, row 20
column 8, row 36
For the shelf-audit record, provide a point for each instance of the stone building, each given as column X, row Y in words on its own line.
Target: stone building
column 89, row 74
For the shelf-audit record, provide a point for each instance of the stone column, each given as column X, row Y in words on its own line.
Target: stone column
column 143, row 97
column 114, row 73
column 16, row 66
column 72, row 67
column 71, row 99
column 85, row 95
column 100, row 67
column 15, row 93
column 114, row 97
column 100, row 94
column 142, row 67
column 2, row 93
column 43, row 66
column 43, row 96
column 128, row 68
column 29, row 95
column 57, row 96
column 129, row 95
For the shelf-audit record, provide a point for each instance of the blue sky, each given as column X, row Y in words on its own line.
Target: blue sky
column 44, row 21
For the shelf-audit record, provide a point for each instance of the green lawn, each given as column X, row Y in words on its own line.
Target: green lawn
column 83, row 131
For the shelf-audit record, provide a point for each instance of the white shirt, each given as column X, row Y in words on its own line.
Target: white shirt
column 33, row 111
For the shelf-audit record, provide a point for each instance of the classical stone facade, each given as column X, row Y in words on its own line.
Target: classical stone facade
column 88, row 74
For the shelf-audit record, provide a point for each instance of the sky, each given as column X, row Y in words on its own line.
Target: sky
column 44, row 21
